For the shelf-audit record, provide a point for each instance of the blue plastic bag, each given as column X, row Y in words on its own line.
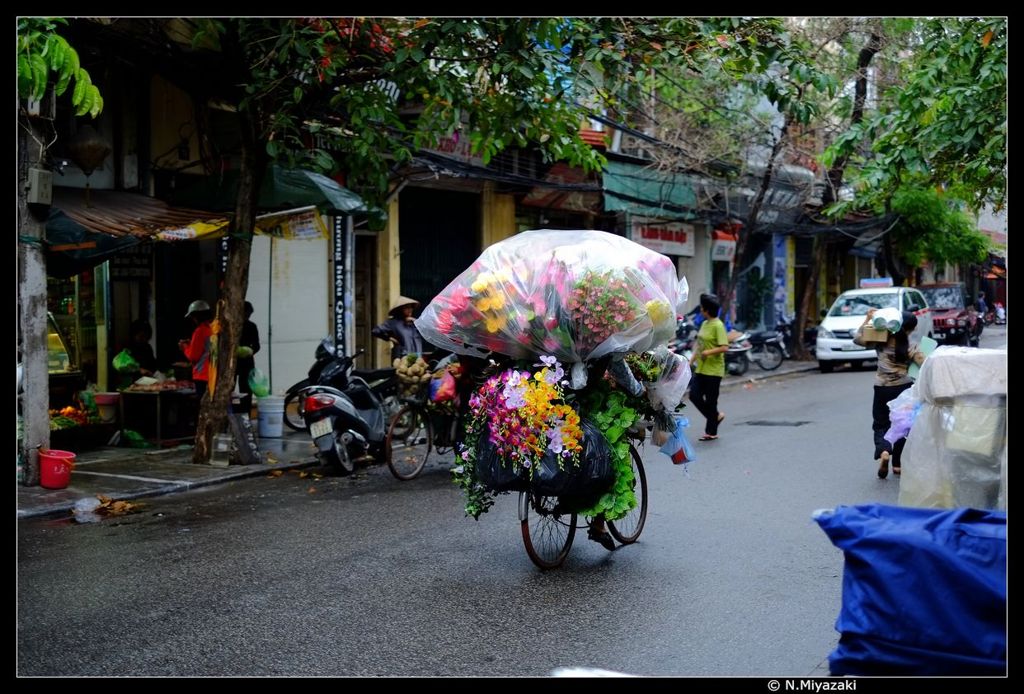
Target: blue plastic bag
column 678, row 447
column 924, row 590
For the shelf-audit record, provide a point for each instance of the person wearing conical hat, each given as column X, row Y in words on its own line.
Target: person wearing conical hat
column 399, row 329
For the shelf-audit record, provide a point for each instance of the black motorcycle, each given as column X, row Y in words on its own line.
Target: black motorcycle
column 768, row 349
column 686, row 334
column 348, row 420
column 383, row 382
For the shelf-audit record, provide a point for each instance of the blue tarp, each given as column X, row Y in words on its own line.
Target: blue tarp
column 924, row 590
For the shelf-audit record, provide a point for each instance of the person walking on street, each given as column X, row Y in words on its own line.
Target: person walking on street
column 248, row 345
column 400, row 330
column 894, row 358
column 197, row 349
column 709, row 358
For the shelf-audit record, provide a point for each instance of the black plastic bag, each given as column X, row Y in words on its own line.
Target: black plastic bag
column 492, row 470
column 594, row 475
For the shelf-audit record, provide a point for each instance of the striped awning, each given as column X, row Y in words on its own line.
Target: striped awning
column 117, row 213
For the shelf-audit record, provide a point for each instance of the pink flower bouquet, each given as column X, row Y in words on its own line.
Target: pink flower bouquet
column 576, row 295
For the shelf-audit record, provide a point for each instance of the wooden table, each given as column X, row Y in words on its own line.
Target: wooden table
column 165, row 417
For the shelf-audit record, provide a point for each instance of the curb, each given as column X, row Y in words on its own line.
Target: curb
column 736, row 381
column 171, row 487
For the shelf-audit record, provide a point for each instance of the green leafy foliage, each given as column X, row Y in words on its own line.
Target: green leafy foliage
column 944, row 124
column 44, row 55
column 932, row 228
column 378, row 89
column 614, row 413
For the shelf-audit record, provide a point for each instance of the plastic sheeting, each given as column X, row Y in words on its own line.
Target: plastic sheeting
column 924, row 591
column 956, row 451
column 576, row 295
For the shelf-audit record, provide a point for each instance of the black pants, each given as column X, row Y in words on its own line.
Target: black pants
column 880, row 421
column 704, row 394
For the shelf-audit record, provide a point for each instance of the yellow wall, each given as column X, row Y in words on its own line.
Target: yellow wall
column 498, row 216
column 172, row 119
column 388, row 278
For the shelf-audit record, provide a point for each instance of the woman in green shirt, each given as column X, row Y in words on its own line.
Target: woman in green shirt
column 709, row 361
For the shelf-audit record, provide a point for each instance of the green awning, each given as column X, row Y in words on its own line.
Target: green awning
column 643, row 191
column 282, row 189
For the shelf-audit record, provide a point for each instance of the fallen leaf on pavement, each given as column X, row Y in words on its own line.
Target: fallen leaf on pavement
column 109, row 507
column 311, row 490
column 275, row 473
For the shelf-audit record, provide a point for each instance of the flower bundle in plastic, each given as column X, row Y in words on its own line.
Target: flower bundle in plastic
column 526, row 417
column 576, row 295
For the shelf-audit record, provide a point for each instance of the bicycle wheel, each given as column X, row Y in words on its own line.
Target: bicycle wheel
column 294, row 409
column 392, row 406
column 548, row 532
column 768, row 357
column 409, row 442
column 628, row 528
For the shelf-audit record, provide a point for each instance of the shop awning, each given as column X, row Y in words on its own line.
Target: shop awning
column 282, row 189
column 129, row 214
column 643, row 191
column 82, row 233
column 72, row 248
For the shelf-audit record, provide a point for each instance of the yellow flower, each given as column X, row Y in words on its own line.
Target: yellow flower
column 482, row 281
column 495, row 323
column 497, row 300
column 658, row 311
column 483, row 304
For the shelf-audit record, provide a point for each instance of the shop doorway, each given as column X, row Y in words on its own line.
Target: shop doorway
column 439, row 233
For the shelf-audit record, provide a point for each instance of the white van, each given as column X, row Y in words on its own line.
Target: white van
column 836, row 331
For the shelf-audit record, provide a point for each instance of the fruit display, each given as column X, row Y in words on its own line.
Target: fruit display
column 413, row 375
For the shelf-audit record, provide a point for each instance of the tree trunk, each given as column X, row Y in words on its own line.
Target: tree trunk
column 817, row 260
column 750, row 226
column 834, row 178
column 230, row 316
column 32, row 330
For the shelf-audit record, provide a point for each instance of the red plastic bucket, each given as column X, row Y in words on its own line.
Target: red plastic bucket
column 55, row 468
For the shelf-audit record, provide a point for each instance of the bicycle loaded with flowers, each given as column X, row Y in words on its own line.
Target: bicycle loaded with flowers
column 580, row 319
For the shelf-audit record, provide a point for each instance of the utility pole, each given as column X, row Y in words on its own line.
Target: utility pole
column 33, row 207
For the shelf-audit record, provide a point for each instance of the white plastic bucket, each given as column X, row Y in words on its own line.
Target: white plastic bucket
column 271, row 415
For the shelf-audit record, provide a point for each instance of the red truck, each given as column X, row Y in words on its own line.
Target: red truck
column 955, row 321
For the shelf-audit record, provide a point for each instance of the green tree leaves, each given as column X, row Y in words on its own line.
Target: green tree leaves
column 945, row 120
column 44, row 55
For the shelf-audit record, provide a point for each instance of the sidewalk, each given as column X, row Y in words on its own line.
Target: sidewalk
column 755, row 373
column 131, row 473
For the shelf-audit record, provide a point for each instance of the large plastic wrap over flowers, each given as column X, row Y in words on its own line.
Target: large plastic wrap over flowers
column 576, row 295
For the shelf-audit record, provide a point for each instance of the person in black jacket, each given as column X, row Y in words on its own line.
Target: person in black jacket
column 400, row 330
column 248, row 345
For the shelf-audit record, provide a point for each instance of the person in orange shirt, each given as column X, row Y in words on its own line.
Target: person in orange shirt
column 197, row 349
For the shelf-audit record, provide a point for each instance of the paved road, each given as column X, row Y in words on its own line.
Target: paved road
column 369, row 576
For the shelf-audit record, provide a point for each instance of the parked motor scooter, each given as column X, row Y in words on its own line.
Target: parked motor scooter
column 383, row 382
column 347, row 423
column 1000, row 312
column 737, row 357
column 686, row 334
column 768, row 349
